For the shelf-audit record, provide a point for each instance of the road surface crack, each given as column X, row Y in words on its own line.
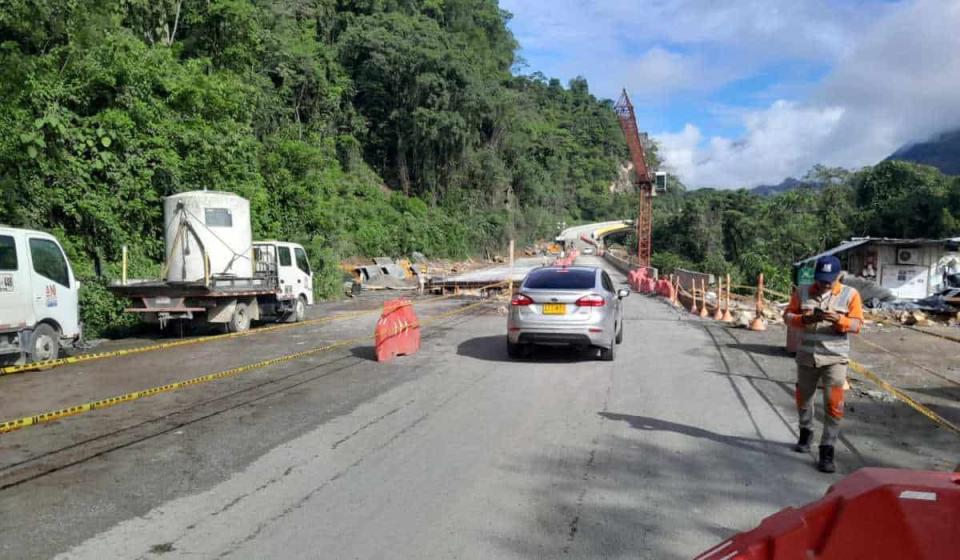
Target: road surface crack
column 376, row 420
column 340, row 474
column 588, row 466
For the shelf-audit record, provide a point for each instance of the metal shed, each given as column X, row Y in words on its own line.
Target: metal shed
column 910, row 268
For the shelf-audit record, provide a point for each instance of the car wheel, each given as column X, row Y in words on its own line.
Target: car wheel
column 44, row 343
column 514, row 350
column 240, row 321
column 608, row 354
column 620, row 334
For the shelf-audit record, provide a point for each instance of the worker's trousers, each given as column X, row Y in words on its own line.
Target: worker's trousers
column 832, row 378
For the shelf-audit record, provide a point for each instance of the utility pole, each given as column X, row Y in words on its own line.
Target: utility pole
column 628, row 123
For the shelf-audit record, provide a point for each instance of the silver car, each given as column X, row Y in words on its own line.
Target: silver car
column 566, row 306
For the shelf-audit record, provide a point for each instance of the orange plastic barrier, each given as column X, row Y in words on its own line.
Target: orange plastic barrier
column 880, row 514
column 398, row 331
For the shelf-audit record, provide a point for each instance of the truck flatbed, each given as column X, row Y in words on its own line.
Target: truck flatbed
column 218, row 287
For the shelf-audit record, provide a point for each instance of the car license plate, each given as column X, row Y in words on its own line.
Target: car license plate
column 554, row 308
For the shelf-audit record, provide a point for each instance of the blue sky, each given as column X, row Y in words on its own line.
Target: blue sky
column 748, row 92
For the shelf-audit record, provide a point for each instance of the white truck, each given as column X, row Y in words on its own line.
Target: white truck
column 215, row 273
column 39, row 297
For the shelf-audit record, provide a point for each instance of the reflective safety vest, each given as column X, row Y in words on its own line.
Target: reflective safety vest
column 822, row 340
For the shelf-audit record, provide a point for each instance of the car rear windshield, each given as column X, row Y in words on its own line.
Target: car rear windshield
column 570, row 279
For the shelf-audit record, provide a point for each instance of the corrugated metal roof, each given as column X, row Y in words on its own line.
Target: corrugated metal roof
column 858, row 241
column 843, row 247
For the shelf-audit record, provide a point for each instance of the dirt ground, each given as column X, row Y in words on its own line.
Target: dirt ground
column 879, row 429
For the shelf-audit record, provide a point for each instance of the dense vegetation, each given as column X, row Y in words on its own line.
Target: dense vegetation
column 355, row 127
column 743, row 234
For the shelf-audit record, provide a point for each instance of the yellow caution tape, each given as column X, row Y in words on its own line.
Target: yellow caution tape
column 48, row 364
column 936, row 418
column 906, row 360
column 42, row 418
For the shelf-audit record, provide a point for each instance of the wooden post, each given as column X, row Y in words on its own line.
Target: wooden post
column 727, row 317
column 718, row 312
column 124, row 272
column 693, row 294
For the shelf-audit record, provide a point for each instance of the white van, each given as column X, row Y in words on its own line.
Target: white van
column 39, row 296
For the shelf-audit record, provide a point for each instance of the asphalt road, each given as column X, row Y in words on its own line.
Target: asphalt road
column 454, row 452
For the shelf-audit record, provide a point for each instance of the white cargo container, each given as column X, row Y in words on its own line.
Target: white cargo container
column 214, row 273
column 38, row 297
column 207, row 234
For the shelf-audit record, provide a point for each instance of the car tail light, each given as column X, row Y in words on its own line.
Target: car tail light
column 521, row 300
column 592, row 300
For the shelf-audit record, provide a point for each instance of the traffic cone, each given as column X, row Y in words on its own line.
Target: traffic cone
column 727, row 317
column 758, row 324
column 674, row 291
column 703, row 297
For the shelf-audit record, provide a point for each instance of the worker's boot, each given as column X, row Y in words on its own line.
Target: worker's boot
column 803, row 444
column 826, row 459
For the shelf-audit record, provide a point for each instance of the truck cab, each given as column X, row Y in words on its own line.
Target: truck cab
column 39, row 296
column 289, row 264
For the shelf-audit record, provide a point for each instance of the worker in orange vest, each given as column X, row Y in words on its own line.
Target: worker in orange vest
column 826, row 312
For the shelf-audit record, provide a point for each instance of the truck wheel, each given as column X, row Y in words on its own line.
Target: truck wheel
column 240, row 321
column 44, row 343
column 299, row 310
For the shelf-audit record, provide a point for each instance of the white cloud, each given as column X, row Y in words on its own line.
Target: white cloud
column 770, row 145
column 601, row 39
column 898, row 82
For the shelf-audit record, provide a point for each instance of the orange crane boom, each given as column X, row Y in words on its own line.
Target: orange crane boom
column 628, row 123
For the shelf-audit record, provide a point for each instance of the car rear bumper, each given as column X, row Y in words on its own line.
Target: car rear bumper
column 586, row 336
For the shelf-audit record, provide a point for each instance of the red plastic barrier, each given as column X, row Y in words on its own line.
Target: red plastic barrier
column 398, row 331
column 648, row 285
column 665, row 288
column 636, row 279
column 877, row 514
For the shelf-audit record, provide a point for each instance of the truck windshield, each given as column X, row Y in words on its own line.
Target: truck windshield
column 302, row 262
column 8, row 253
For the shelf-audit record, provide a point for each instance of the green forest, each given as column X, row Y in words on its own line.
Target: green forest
column 368, row 127
column 363, row 127
column 743, row 234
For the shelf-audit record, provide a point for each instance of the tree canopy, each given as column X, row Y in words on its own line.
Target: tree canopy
column 355, row 127
column 744, row 234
